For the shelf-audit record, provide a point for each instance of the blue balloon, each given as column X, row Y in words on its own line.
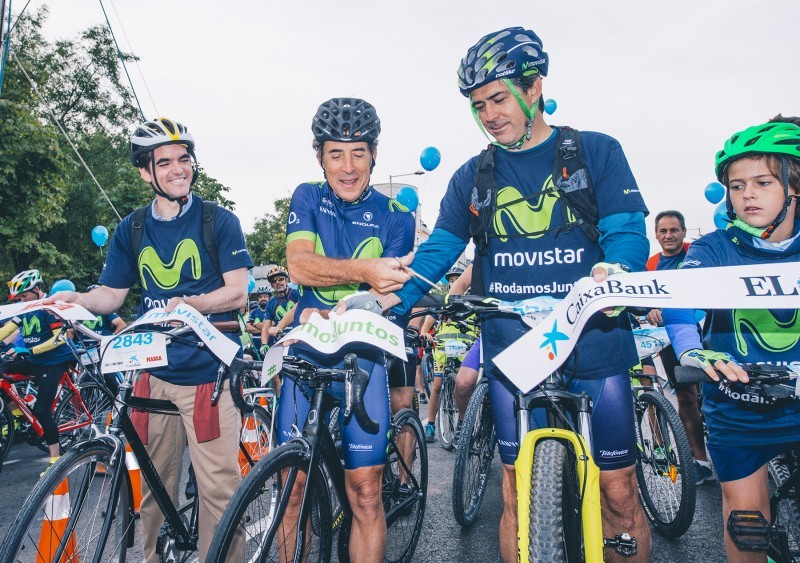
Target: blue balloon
column 721, row 220
column 100, row 235
column 699, row 315
column 430, row 158
column 715, row 192
column 62, row 285
column 251, row 284
column 408, row 197
column 550, row 106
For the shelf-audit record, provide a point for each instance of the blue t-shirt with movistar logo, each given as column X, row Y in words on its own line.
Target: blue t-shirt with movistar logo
column 671, row 262
column 772, row 336
column 37, row 327
column 103, row 324
column 277, row 306
column 531, row 256
column 173, row 262
column 374, row 227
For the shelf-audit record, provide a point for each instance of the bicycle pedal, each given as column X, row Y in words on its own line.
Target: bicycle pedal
column 749, row 530
column 624, row 544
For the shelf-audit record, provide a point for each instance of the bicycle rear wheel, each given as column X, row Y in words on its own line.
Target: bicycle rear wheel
column 405, row 486
column 256, row 511
column 257, row 438
column 74, row 512
column 427, row 372
column 473, row 457
column 7, row 429
column 788, row 513
column 448, row 413
column 555, row 504
column 664, row 465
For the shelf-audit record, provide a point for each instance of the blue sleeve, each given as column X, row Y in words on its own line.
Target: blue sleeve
column 232, row 249
column 623, row 238
column 401, row 235
column 301, row 222
column 681, row 328
column 120, row 270
column 432, row 259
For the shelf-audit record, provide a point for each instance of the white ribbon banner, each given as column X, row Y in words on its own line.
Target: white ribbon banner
column 537, row 354
column 223, row 348
column 66, row 311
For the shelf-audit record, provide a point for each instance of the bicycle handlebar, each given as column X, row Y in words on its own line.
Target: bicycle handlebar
column 235, row 371
column 773, row 383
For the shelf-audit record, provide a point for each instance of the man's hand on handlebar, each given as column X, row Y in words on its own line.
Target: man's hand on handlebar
column 709, row 361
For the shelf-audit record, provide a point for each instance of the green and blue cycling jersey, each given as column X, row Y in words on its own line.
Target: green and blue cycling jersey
column 373, row 227
column 735, row 417
column 173, row 262
column 103, row 324
column 36, row 328
column 276, row 309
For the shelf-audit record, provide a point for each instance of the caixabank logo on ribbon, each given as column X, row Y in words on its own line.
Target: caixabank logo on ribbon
column 614, row 287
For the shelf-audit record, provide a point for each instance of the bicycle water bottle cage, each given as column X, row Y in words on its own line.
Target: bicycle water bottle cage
column 749, row 530
column 624, row 544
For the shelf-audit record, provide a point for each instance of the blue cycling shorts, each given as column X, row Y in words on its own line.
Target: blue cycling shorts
column 473, row 357
column 613, row 431
column 361, row 449
column 737, row 462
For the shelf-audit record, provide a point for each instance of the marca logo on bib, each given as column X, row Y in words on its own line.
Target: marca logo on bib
column 167, row 276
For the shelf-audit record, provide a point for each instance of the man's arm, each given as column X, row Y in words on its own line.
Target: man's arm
column 229, row 297
column 287, row 319
column 314, row 270
column 461, row 285
column 118, row 325
column 265, row 330
column 101, row 300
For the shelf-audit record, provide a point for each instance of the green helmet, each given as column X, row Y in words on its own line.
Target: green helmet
column 780, row 139
column 770, row 138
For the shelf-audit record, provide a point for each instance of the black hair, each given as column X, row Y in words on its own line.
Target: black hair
column 672, row 213
column 525, row 83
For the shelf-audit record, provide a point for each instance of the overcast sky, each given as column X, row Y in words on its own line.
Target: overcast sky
column 671, row 80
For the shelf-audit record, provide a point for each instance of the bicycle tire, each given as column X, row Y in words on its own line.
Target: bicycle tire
column 555, row 504
column 99, row 516
column 788, row 513
column 98, row 401
column 67, row 395
column 8, row 429
column 473, row 457
column 427, row 372
column 257, row 438
column 405, row 486
column 447, row 412
column 259, row 501
column 666, row 479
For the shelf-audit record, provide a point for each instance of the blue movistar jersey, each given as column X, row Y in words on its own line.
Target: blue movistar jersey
column 103, row 324
column 529, row 255
column 38, row 327
column 374, row 227
column 735, row 417
column 277, row 307
column 173, row 262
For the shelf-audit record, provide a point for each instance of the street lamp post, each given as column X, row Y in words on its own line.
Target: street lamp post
column 391, row 183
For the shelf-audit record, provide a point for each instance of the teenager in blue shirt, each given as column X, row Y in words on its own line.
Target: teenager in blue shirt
column 172, row 267
column 760, row 167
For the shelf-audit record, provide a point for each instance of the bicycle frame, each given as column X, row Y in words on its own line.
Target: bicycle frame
column 579, row 406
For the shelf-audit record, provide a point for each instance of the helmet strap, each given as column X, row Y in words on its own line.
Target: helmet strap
column 159, row 191
column 529, row 112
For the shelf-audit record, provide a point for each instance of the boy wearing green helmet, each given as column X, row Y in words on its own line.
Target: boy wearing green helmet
column 760, row 167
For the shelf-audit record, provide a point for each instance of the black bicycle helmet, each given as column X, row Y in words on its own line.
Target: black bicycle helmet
column 347, row 120
column 454, row 271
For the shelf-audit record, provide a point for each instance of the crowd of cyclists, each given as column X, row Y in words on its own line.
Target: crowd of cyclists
column 565, row 202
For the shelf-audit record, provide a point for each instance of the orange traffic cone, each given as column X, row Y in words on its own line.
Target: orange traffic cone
column 135, row 474
column 54, row 526
column 249, row 440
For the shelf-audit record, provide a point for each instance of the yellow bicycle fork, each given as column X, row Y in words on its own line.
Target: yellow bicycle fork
column 589, row 479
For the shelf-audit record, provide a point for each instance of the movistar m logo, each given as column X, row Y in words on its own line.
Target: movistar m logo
column 93, row 325
column 528, row 217
column 769, row 333
column 32, row 327
column 167, row 276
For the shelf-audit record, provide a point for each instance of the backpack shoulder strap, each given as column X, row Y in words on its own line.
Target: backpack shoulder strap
column 209, row 237
column 571, row 179
column 138, row 218
column 482, row 203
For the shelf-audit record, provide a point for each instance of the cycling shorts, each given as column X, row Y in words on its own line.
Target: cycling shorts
column 402, row 374
column 473, row 358
column 737, row 462
column 613, row 420
column 361, row 449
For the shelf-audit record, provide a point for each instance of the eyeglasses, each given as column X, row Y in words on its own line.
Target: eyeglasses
column 279, row 279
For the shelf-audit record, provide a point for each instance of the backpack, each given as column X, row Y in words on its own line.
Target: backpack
column 571, row 181
column 139, row 216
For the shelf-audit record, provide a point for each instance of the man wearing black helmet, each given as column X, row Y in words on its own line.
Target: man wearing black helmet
column 545, row 206
column 166, row 247
column 343, row 236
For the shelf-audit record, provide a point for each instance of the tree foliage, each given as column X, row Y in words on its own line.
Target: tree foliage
column 267, row 242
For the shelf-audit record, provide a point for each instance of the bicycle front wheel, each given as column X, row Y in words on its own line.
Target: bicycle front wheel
column 257, row 438
column 74, row 425
column 473, row 457
column 788, row 512
column 448, row 414
column 664, row 465
column 555, row 504
column 427, row 372
column 7, row 430
column 73, row 513
column 405, row 486
column 257, row 513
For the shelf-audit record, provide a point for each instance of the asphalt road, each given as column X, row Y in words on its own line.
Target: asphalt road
column 442, row 539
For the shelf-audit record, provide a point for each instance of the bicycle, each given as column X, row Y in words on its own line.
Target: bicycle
column 664, row 461
column 779, row 536
column 558, row 483
column 454, row 351
column 312, row 462
column 95, row 519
